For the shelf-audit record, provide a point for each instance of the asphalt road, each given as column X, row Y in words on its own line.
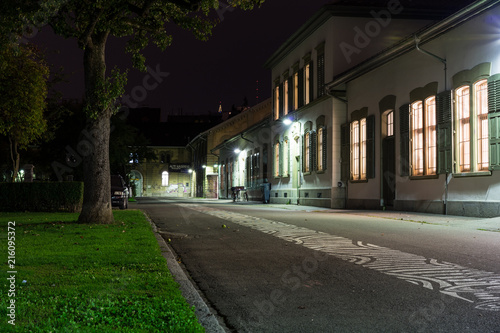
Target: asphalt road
column 291, row 269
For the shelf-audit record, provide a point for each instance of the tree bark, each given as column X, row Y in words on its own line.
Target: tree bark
column 94, row 142
column 14, row 155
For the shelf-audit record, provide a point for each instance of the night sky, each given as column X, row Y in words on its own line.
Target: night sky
column 201, row 74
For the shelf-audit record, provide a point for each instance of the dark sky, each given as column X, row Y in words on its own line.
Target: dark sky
column 201, row 74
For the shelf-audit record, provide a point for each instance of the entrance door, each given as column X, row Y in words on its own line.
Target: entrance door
column 388, row 171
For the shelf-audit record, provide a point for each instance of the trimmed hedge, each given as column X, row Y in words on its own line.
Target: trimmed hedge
column 41, row 197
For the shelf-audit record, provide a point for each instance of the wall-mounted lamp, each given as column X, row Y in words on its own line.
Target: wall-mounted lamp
column 190, row 170
column 287, row 121
column 237, row 151
column 204, row 166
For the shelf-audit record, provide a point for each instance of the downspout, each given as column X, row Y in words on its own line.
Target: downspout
column 442, row 60
column 346, row 117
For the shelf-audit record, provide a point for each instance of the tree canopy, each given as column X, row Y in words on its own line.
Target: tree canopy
column 91, row 23
column 23, row 87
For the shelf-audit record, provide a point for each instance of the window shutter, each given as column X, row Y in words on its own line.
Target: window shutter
column 404, row 128
column 313, row 152
column 444, row 132
column 276, row 166
column 370, row 146
column 281, row 104
column 311, row 82
column 301, row 87
column 321, row 75
column 281, row 159
column 290, row 94
column 494, row 121
column 345, row 151
column 325, row 145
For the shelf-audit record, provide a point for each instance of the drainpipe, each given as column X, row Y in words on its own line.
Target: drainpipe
column 442, row 60
column 329, row 93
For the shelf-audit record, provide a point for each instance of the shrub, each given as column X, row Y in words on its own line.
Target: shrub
column 41, row 196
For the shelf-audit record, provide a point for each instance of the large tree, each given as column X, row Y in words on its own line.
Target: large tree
column 91, row 23
column 23, row 91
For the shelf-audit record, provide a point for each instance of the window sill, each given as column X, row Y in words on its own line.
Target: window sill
column 358, row 181
column 307, row 173
column 424, row 177
column 320, row 171
column 472, row 174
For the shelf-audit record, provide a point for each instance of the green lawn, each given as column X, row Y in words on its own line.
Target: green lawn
column 89, row 278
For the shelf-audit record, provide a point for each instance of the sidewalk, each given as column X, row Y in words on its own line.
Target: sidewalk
column 464, row 222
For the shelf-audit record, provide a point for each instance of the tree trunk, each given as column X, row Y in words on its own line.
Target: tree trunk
column 14, row 155
column 94, row 143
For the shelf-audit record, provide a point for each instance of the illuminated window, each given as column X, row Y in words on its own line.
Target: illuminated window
column 363, row 148
column 390, row 123
column 307, row 155
column 276, row 102
column 431, row 136
column 463, row 113
column 424, row 137
column 358, row 150
column 481, row 108
column 307, row 76
column 296, row 91
column 417, row 131
column 355, row 150
column 164, row 178
column 320, row 149
column 277, row 159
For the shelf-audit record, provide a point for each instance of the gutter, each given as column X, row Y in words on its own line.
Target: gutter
column 408, row 44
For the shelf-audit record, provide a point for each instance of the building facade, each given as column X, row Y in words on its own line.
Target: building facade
column 213, row 167
column 167, row 175
column 422, row 120
column 306, row 121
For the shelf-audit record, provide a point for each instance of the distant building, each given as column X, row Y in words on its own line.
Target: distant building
column 169, row 173
column 213, row 152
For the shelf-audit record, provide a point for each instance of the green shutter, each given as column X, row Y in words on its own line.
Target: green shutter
column 325, row 146
column 311, row 82
column 281, row 103
column 313, row 154
column 321, row 75
column 444, row 132
column 370, row 146
column 404, row 127
column 281, row 159
column 301, row 87
column 345, row 151
column 494, row 121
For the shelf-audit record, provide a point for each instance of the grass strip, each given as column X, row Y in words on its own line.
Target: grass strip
column 75, row 277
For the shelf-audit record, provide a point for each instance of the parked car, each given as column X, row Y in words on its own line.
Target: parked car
column 119, row 192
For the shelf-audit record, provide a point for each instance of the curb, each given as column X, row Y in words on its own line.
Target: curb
column 205, row 317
